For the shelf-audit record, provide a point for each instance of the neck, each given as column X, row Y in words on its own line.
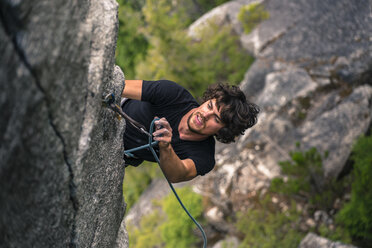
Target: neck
column 186, row 133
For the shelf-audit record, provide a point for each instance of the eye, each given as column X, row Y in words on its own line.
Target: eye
column 217, row 119
column 210, row 105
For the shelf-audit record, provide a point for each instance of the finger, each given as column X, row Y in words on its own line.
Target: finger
column 162, row 132
column 156, row 121
column 163, row 139
column 159, row 126
column 163, row 122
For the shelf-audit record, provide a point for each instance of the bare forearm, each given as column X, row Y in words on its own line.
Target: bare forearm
column 175, row 169
column 172, row 166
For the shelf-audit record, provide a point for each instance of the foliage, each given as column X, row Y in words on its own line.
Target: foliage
column 304, row 182
column 136, row 181
column 337, row 233
column 251, row 15
column 149, row 233
column 170, row 227
column 267, row 226
column 303, row 168
column 162, row 16
column 305, row 179
column 136, row 34
column 356, row 215
column 177, row 231
column 134, row 4
column 217, row 57
column 206, row 5
column 131, row 44
column 153, row 44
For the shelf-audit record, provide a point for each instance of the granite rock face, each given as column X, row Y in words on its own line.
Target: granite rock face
column 312, row 79
column 221, row 15
column 314, row 241
column 60, row 151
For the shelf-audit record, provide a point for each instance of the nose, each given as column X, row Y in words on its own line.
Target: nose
column 208, row 113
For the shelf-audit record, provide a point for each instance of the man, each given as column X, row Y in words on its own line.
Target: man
column 185, row 129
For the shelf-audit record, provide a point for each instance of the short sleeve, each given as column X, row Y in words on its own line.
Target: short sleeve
column 203, row 156
column 202, row 165
column 164, row 92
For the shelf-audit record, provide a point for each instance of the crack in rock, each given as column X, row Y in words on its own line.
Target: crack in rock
column 72, row 187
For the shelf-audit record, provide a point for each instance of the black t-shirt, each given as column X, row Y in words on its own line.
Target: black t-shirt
column 167, row 99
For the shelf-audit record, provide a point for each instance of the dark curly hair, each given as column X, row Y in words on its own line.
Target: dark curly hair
column 236, row 112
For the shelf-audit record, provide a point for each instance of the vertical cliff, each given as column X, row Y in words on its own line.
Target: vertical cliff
column 60, row 152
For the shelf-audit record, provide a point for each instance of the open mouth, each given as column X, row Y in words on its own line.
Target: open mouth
column 199, row 120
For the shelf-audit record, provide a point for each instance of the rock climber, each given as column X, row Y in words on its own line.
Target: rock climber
column 185, row 130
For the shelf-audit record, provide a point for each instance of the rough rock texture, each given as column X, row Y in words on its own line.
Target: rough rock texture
column 314, row 241
column 312, row 79
column 60, row 152
column 224, row 14
column 122, row 240
column 231, row 242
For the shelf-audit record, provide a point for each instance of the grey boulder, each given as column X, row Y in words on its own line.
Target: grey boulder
column 60, row 151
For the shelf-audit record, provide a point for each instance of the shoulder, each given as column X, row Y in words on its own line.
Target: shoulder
column 166, row 85
column 164, row 92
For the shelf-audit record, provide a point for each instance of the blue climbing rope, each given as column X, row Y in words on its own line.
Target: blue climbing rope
column 109, row 102
column 150, row 146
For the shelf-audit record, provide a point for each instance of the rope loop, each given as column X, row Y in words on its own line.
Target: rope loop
column 150, row 146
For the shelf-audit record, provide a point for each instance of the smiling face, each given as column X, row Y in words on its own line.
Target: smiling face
column 206, row 119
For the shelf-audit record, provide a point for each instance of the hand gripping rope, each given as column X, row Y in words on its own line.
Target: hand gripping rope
column 109, row 101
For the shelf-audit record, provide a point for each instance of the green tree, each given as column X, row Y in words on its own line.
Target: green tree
column 169, row 225
column 206, row 5
column 305, row 179
column 177, row 231
column 216, row 57
column 132, row 45
column 267, row 226
column 356, row 215
column 153, row 44
column 136, row 181
column 148, row 235
column 251, row 15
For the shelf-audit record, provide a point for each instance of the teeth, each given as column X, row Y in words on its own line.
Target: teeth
column 200, row 119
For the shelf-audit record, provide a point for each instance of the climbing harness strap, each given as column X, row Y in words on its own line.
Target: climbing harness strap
column 109, row 101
